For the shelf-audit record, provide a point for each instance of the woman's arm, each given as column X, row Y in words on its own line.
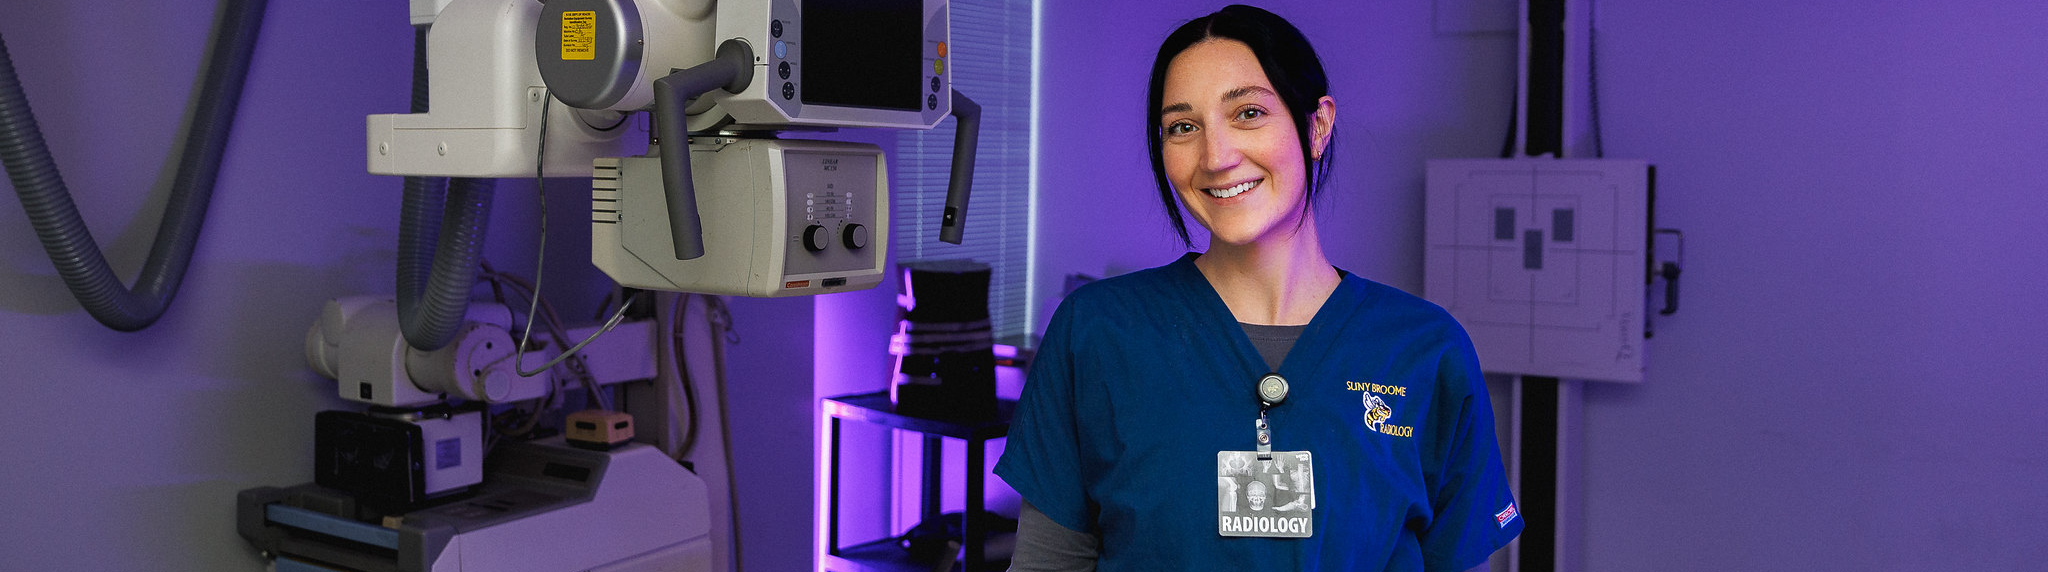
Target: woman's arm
column 1046, row 546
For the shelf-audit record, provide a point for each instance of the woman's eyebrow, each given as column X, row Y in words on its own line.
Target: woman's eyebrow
column 1245, row 91
column 1238, row 93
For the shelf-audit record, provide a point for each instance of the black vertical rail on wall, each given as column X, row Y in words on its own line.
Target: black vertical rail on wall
column 1545, row 111
column 1539, row 473
column 1545, row 134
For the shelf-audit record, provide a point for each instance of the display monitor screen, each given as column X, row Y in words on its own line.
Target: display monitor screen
column 863, row 53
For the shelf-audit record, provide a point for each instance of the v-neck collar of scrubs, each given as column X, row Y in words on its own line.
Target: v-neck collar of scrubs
column 1344, row 303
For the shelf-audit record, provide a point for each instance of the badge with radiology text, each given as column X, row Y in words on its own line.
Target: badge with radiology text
column 1269, row 495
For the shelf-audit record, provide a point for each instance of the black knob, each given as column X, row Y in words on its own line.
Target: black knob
column 814, row 238
column 855, row 236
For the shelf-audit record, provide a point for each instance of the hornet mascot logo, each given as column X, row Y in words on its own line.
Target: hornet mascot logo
column 1376, row 412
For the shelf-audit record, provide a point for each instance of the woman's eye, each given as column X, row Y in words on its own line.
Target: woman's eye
column 1180, row 129
column 1250, row 113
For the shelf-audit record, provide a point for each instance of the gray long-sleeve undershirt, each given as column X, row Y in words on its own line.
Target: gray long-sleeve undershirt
column 1047, row 546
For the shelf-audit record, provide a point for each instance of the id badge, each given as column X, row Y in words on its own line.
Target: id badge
column 1272, row 498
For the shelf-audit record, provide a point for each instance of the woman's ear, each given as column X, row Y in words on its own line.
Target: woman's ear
column 1321, row 123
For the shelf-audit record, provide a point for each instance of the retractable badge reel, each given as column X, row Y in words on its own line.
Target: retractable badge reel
column 1272, row 391
column 1263, row 493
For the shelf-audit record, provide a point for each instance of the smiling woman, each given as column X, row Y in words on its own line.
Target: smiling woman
column 1278, row 69
column 1220, row 142
column 1145, row 385
column 1239, row 158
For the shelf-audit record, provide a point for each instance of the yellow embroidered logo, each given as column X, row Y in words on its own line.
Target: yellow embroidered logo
column 1377, row 411
column 1395, row 390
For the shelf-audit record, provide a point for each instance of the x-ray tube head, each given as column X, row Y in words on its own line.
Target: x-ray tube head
column 606, row 54
column 486, row 106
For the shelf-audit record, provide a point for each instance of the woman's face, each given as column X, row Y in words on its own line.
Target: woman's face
column 1229, row 144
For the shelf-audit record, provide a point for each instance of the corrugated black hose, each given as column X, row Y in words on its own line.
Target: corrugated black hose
column 209, row 118
column 437, row 257
column 419, row 214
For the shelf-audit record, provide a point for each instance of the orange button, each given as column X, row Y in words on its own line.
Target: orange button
column 942, row 49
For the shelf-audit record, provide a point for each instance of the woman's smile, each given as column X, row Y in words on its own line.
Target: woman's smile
column 1232, row 190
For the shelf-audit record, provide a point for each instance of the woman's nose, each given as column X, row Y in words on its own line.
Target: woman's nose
column 1219, row 151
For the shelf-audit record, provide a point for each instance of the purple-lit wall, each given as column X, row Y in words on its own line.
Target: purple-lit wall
column 124, row 451
column 1857, row 378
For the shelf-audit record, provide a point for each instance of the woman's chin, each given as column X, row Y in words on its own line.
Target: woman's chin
column 1233, row 239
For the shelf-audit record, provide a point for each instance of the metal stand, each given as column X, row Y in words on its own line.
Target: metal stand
column 885, row 555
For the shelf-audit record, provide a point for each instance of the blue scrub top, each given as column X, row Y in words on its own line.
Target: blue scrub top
column 1141, row 379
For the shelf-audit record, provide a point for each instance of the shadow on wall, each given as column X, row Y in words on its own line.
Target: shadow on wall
column 271, row 424
column 255, row 422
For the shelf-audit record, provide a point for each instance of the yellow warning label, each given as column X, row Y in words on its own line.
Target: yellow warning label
column 579, row 35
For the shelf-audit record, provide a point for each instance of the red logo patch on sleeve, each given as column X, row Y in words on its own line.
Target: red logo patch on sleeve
column 1505, row 515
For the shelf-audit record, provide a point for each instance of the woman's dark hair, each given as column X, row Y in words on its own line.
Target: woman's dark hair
column 1290, row 64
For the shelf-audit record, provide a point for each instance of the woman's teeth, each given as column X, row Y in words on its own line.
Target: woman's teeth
column 1232, row 191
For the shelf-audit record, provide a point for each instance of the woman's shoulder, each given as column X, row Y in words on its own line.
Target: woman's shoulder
column 1399, row 309
column 1133, row 290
